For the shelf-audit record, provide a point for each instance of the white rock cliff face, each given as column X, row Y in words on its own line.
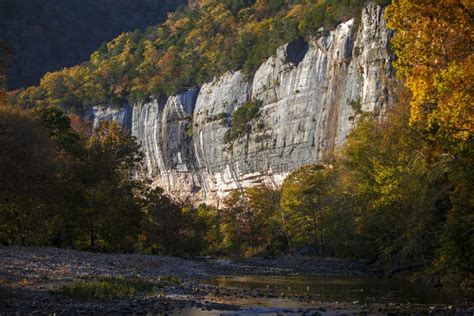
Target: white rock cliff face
column 310, row 95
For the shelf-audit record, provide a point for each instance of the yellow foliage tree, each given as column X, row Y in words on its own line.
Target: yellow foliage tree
column 433, row 43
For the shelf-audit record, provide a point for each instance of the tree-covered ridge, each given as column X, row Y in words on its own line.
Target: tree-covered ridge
column 47, row 35
column 196, row 43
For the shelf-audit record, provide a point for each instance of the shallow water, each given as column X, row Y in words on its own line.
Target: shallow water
column 349, row 289
column 249, row 311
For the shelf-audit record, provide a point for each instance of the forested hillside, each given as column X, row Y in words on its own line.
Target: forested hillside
column 193, row 45
column 47, row 35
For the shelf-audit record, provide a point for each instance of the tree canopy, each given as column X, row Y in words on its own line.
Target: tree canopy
column 433, row 42
column 193, row 45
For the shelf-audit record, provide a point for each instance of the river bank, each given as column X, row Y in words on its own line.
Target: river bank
column 30, row 279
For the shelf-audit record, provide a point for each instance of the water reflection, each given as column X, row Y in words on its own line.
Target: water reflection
column 349, row 289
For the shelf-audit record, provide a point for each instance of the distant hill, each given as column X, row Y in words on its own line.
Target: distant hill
column 47, row 35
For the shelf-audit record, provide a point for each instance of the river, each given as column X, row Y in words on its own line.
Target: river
column 294, row 295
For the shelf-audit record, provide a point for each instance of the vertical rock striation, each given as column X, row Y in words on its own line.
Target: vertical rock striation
column 122, row 115
column 309, row 94
column 165, row 134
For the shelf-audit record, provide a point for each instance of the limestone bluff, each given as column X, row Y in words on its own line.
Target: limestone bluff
column 307, row 92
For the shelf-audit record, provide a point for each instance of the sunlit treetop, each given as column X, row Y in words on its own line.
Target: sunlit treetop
column 433, row 43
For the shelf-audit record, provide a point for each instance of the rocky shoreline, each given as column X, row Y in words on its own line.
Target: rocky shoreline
column 29, row 277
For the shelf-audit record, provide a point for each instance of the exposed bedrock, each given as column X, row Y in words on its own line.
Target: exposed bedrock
column 310, row 94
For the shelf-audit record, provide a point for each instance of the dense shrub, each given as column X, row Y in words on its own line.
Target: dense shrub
column 242, row 119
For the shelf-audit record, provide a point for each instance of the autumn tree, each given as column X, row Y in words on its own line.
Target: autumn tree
column 433, row 43
column 108, row 215
column 251, row 222
column 399, row 197
column 28, row 179
column 238, row 225
column 265, row 201
column 304, row 197
column 208, row 219
column 80, row 125
column 200, row 233
column 162, row 223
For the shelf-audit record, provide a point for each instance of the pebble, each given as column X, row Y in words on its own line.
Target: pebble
column 51, row 266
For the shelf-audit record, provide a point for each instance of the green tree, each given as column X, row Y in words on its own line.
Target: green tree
column 304, row 197
column 59, row 127
column 455, row 255
column 109, row 215
column 162, row 223
column 209, row 217
column 399, row 196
